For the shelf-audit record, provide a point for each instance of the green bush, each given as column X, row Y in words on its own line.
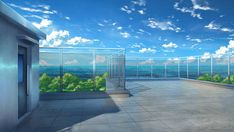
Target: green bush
column 55, row 85
column 226, row 81
column 45, row 80
column 72, row 83
column 217, row 78
column 205, row 77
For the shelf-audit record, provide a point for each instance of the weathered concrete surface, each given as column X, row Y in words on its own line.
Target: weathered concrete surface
column 156, row 106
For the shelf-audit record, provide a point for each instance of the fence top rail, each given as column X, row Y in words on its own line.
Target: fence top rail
column 81, row 48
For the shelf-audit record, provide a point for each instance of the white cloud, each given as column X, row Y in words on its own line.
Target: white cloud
column 193, row 39
column 72, row 62
column 119, row 28
column 125, row 34
column 139, row 2
column 187, row 10
column 196, row 5
column 147, row 50
column 100, row 59
column 55, row 38
column 170, row 45
column 231, row 35
column 201, row 5
column 136, row 46
column 126, row 9
column 163, row 25
column 33, row 9
column 221, row 51
column 142, row 12
column 43, row 62
column 68, row 18
column 43, row 24
column 37, row 16
column 231, row 44
column 78, row 40
column 205, row 56
column 100, row 24
column 214, row 26
column 149, row 61
column 191, row 59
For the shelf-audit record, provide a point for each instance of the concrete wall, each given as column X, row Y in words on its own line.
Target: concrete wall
column 9, row 74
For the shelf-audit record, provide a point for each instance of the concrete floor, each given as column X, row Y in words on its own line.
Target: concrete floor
column 156, row 106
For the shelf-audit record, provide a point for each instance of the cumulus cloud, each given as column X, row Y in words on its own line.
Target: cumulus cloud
column 125, row 34
column 43, row 24
column 78, row 40
column 170, row 45
column 163, row 25
column 218, row 27
column 191, row 59
column 147, row 50
column 55, row 38
column 205, row 56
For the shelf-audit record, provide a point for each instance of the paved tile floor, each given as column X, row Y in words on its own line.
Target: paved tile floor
column 155, row 106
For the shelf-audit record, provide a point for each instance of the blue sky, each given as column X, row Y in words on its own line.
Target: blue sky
column 159, row 28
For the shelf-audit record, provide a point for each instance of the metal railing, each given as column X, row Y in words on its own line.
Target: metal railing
column 191, row 67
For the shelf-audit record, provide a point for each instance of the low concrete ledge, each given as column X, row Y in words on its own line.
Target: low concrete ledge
column 231, row 86
column 152, row 79
column 83, row 95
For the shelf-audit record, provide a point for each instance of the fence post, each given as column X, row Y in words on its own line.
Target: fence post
column 61, row 68
column 151, row 71
column 198, row 66
column 94, row 67
column 187, row 68
column 137, row 69
column 211, row 66
column 178, row 68
column 229, row 63
column 124, row 69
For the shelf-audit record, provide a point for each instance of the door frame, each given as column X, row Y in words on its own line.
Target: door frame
column 27, row 47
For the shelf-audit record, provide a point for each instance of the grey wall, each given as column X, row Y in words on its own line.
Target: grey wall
column 9, row 74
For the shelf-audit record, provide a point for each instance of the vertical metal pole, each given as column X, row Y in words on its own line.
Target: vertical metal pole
column 211, row 66
column 61, row 69
column 187, row 69
column 124, row 68
column 229, row 58
column 198, row 66
column 165, row 70
column 151, row 71
column 178, row 68
column 137, row 69
column 94, row 67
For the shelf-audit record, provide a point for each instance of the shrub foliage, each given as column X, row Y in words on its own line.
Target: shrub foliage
column 72, row 83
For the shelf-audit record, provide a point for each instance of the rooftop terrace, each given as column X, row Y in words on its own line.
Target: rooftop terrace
column 154, row 106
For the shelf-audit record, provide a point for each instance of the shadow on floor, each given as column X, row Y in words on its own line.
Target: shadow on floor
column 61, row 115
column 136, row 88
